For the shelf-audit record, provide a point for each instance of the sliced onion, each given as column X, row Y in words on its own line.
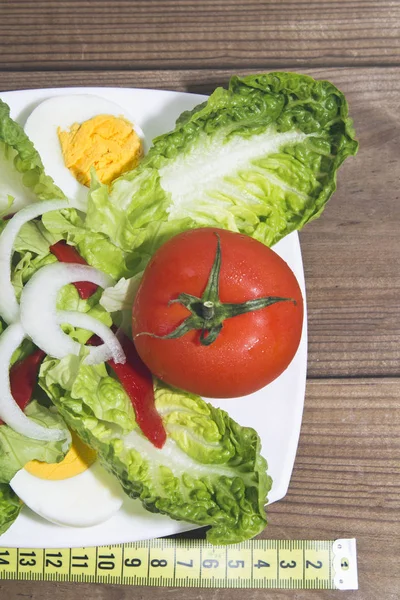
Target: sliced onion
column 40, row 318
column 10, row 412
column 9, row 308
column 110, row 349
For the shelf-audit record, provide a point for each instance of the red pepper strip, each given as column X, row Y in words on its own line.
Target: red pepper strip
column 137, row 382
column 68, row 254
column 23, row 378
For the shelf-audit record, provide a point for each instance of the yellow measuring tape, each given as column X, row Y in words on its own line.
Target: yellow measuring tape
column 279, row 564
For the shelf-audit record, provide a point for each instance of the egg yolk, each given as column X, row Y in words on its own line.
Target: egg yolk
column 77, row 460
column 107, row 143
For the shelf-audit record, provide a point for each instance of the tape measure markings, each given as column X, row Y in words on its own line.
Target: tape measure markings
column 279, row 564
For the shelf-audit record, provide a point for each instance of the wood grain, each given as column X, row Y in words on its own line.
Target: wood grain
column 167, row 34
column 346, row 483
column 361, row 84
column 351, row 254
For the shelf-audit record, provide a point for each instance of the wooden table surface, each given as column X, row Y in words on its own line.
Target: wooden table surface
column 346, row 477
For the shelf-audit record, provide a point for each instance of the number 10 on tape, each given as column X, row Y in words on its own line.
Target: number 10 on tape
column 279, row 564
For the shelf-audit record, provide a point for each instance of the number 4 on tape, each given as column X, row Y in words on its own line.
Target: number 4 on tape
column 298, row 564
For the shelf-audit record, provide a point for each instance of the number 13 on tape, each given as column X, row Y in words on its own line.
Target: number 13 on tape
column 301, row 564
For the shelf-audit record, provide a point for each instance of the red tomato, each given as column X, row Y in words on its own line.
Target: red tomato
column 250, row 349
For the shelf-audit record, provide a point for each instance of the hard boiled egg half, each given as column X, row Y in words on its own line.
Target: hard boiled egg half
column 77, row 132
column 77, row 492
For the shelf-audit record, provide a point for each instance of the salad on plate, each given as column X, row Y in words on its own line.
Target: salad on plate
column 90, row 414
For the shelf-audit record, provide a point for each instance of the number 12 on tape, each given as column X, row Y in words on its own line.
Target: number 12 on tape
column 301, row 564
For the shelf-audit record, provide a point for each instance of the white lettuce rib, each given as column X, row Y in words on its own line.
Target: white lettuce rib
column 175, row 459
column 196, row 173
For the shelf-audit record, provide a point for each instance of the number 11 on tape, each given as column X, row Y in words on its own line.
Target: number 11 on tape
column 278, row 564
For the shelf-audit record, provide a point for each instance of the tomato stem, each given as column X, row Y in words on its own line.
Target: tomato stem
column 208, row 313
column 208, row 309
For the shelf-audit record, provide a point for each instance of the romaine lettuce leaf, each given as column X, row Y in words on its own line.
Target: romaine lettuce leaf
column 121, row 295
column 27, row 266
column 103, row 396
column 10, row 507
column 96, row 248
column 22, row 176
column 119, row 300
column 31, row 251
column 260, row 158
column 16, row 449
column 209, row 472
column 33, row 237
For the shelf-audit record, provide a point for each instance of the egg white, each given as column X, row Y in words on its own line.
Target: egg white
column 63, row 111
column 87, row 499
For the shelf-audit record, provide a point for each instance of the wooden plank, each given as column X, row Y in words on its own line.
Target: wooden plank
column 346, row 483
column 351, row 254
column 361, row 84
column 166, row 34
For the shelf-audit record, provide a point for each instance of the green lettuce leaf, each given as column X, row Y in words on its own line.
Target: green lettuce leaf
column 119, row 299
column 260, row 158
column 22, row 176
column 121, row 296
column 27, row 266
column 10, row 507
column 96, row 248
column 104, row 397
column 209, row 472
column 16, row 449
column 31, row 252
column 33, row 237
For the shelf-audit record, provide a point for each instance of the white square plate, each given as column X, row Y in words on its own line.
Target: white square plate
column 275, row 411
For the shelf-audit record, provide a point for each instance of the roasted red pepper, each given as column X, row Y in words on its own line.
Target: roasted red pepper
column 23, row 378
column 68, row 254
column 137, row 382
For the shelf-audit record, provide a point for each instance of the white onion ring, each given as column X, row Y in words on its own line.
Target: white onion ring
column 39, row 316
column 111, row 347
column 9, row 308
column 10, row 412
